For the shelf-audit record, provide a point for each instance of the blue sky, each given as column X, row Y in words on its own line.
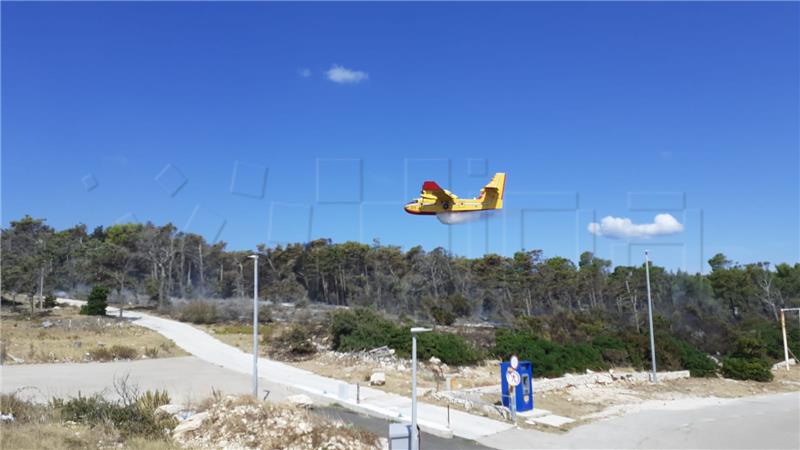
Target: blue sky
column 226, row 120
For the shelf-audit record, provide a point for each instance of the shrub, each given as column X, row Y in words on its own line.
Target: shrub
column 746, row 369
column 364, row 329
column 97, row 302
column 450, row 348
column 124, row 352
column 130, row 419
column 548, row 358
column 696, row 362
column 750, row 347
column 442, row 316
column 50, row 301
column 151, row 400
column 296, row 341
column 115, row 352
column 101, row 354
column 199, row 312
column 459, row 305
column 22, row 410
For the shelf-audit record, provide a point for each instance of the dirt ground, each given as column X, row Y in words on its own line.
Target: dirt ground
column 61, row 334
column 583, row 403
column 587, row 403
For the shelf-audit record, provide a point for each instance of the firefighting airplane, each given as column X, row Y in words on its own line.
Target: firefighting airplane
column 435, row 200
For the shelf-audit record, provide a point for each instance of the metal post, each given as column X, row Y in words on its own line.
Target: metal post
column 650, row 316
column 414, row 431
column 414, row 443
column 255, row 326
column 512, row 402
column 785, row 344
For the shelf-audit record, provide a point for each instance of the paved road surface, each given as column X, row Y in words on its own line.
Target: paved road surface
column 756, row 422
column 187, row 379
column 431, row 418
column 762, row 422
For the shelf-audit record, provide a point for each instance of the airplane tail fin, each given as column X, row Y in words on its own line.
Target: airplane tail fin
column 492, row 193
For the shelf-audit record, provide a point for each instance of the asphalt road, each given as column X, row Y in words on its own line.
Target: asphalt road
column 763, row 422
column 381, row 428
column 187, row 379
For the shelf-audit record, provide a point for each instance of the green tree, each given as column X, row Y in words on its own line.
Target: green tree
column 97, row 302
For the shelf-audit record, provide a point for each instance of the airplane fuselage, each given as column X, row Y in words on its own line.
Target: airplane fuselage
column 430, row 205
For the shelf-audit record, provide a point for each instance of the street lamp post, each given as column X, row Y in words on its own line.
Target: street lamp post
column 650, row 315
column 414, row 434
column 255, row 325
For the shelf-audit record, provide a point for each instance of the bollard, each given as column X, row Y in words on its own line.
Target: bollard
column 448, row 416
column 358, row 393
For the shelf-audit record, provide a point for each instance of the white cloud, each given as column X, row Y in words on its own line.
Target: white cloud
column 304, row 72
column 343, row 75
column 623, row 228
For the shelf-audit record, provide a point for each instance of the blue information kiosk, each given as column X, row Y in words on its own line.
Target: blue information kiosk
column 523, row 394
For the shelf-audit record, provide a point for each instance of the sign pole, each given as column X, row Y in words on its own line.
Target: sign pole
column 650, row 316
column 785, row 343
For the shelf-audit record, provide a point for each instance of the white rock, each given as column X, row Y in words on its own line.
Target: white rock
column 401, row 368
column 301, row 400
column 377, row 379
column 435, row 360
column 190, row 424
column 169, row 409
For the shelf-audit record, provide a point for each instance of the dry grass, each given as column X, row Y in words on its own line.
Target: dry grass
column 71, row 337
column 68, row 436
column 241, row 335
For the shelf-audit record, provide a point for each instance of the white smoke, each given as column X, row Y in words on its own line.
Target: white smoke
column 455, row 218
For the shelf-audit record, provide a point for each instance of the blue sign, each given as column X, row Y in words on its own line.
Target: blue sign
column 522, row 394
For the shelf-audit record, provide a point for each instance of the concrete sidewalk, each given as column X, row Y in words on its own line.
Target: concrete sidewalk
column 431, row 418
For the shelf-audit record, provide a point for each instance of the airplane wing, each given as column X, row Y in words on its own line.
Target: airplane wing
column 434, row 189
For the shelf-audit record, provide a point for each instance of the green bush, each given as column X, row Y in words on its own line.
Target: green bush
column 296, row 341
column 548, row 358
column 364, row 329
column 97, row 302
column 23, row 411
column 50, row 301
column 115, row 352
column 442, row 316
column 768, row 334
column 151, row 400
column 101, row 354
column 124, row 352
column 450, row 348
column 750, row 347
column 746, row 369
column 137, row 418
column 696, row 362
column 199, row 312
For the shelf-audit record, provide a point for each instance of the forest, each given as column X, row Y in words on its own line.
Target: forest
column 151, row 264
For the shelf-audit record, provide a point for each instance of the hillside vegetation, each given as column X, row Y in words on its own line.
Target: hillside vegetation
column 575, row 315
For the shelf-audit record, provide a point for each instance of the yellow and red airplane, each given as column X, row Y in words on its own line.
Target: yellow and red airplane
column 434, row 200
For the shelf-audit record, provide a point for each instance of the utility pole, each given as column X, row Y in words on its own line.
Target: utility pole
column 650, row 315
column 783, row 331
column 414, row 432
column 255, row 325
